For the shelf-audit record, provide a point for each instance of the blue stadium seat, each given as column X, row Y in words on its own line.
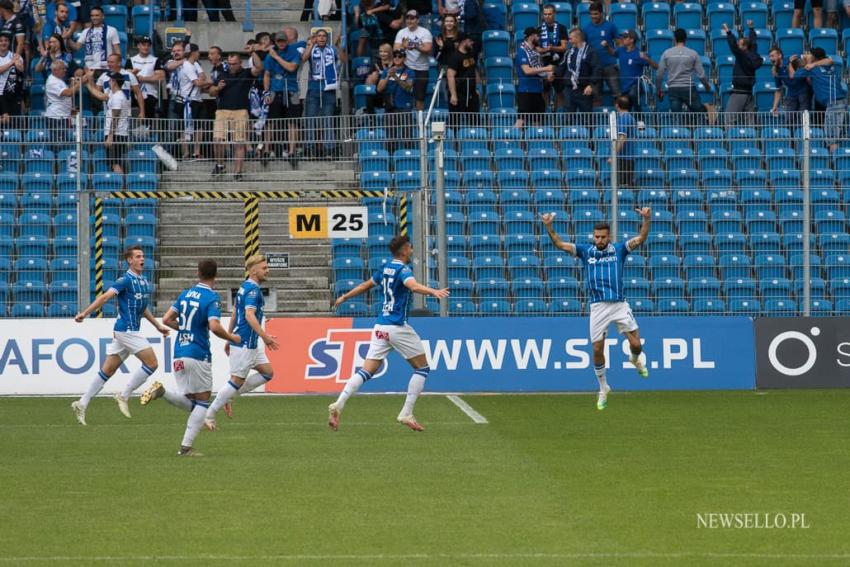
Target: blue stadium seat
column 678, row 158
column 665, row 266
column 527, row 289
column 673, row 306
column 687, row 15
column 695, row 243
column 347, row 268
column 32, row 245
column 689, row 221
column 760, row 198
column 31, row 269
column 346, row 247
column 457, row 267
column 726, row 221
column 765, row 242
column 501, row 95
column 796, row 264
column 461, row 288
column 563, row 287
column 790, row 40
column 61, row 310
column 140, row 225
column 382, row 224
column 699, row 266
column 778, row 158
column 473, row 139
column 563, row 265
column 344, row 286
column 770, row 266
column 525, row 15
column 578, row 157
column 406, row 159
column 623, row 16
column 657, row 41
column 37, row 182
column 25, row 310
column 488, row 267
column 408, row 180
column 647, row 158
column 492, row 289
column 817, row 287
column 115, row 15
column 484, row 222
column 34, row 224
column 455, row 223
column 696, row 40
column 662, row 220
column 759, row 220
column 834, row 243
column 66, row 246
column 141, row 161
column 510, row 159
column 543, row 158
column 63, row 291
column 63, row 269
column 584, row 219
column 825, row 38
column 780, row 307
column 745, row 306
column 524, row 266
column 147, row 243
column 530, row 307
column 775, row 288
column 636, row 288
column 370, row 139
column 478, row 179
column 519, row 221
column 688, row 200
column 837, row 266
column 720, row 13
column 709, row 306
column 565, row 307
column 107, row 182
column 353, row 308
column 668, row 288
column 462, row 308
column 499, row 69
column 649, row 178
column 739, row 288
column 656, row 16
column 495, row 308
column 520, row 244
column 374, row 160
column 821, row 307
column 29, row 291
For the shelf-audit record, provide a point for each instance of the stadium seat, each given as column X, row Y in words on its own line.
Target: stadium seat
column 837, row 266
column 825, row 38
column 520, row 244
column 347, row 268
column 31, row 269
column 623, row 16
column 690, row 221
column 509, row 159
column 636, row 288
column 656, row 16
column 687, row 15
column 770, row 266
column 718, row 14
column 709, row 307
column 775, row 288
column 525, row 15
column 698, row 243
column 665, row 266
column 563, row 265
column 699, row 266
column 673, row 306
column 462, row 307
column 494, row 308
column 488, row 267
column 657, row 41
column 696, row 40
column 461, row 288
column 34, row 224
column 739, row 288
column 63, row 291
column 527, row 289
column 353, row 308
column 817, row 288
column 530, row 307
column 501, row 95
column 790, row 40
column 565, row 307
column 492, row 289
column 31, row 246
column 745, row 306
column 25, row 310
column 61, row 310
column 523, row 266
column 780, row 307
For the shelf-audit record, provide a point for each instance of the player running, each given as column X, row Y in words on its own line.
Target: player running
column 391, row 331
column 133, row 291
column 195, row 313
column 603, row 263
column 250, row 353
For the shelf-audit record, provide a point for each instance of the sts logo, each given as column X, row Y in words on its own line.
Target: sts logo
column 338, row 354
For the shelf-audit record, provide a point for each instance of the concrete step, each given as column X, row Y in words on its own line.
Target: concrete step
column 294, row 283
column 314, row 263
column 277, row 169
column 218, row 251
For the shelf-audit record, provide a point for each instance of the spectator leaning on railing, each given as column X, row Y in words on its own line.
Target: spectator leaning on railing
column 231, row 115
column 417, row 42
column 462, row 79
column 829, row 91
column 324, row 61
column 531, row 74
column 11, row 79
column 680, row 64
column 797, row 91
column 598, row 30
column 99, row 42
column 582, row 74
column 149, row 73
column 280, row 79
column 59, row 101
column 116, row 124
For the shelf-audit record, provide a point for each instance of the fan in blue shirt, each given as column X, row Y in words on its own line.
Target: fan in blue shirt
column 603, row 261
column 391, row 331
column 195, row 313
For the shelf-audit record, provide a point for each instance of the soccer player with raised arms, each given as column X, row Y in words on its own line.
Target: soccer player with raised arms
column 391, row 331
column 250, row 353
column 133, row 291
column 195, row 313
column 604, row 263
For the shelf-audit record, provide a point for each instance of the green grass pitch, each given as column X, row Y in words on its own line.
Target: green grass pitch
column 548, row 481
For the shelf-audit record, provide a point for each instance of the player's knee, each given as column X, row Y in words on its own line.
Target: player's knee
column 150, row 368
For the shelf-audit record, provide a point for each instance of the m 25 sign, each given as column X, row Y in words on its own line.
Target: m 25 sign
column 328, row 222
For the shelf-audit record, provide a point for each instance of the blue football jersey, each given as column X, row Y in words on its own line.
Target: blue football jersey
column 603, row 271
column 134, row 293
column 396, row 297
column 249, row 296
column 196, row 306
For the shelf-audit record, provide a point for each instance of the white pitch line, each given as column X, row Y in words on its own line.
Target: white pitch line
column 467, row 409
column 430, row 557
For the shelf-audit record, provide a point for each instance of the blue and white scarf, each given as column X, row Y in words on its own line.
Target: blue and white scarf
column 551, row 39
column 575, row 58
column 323, row 68
column 90, row 45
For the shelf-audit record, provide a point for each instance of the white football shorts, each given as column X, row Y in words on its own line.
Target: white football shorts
column 243, row 360
column 193, row 376
column 402, row 338
column 126, row 343
column 604, row 313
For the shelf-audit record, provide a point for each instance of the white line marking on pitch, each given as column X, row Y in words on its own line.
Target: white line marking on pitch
column 467, row 409
column 432, row 557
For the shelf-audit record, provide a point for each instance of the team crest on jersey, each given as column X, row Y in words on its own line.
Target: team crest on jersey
column 178, row 365
column 339, row 354
column 382, row 335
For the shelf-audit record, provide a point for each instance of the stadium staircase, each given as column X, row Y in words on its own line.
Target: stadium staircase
column 190, row 230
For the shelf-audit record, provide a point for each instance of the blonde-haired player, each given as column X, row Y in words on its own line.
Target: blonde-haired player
column 250, row 355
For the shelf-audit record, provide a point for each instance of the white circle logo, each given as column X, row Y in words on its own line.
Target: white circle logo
column 807, row 342
column 591, row 260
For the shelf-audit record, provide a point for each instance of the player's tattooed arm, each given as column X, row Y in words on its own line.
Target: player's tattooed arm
column 646, row 213
column 417, row 287
column 568, row 247
column 360, row 289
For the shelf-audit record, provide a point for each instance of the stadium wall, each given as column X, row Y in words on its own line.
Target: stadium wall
column 58, row 356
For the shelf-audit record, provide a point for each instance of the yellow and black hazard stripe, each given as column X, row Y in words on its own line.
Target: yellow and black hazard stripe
column 98, row 250
column 252, row 229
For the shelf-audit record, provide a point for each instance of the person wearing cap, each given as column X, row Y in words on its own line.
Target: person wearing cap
column 116, row 123
column 11, row 79
column 13, row 25
column 148, row 71
column 581, row 76
column 417, row 42
column 552, row 46
column 280, row 79
column 99, row 40
column 531, row 74
column 598, row 30
column 747, row 61
column 396, row 85
column 462, row 78
column 54, row 50
column 632, row 63
column 829, row 91
column 101, row 88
